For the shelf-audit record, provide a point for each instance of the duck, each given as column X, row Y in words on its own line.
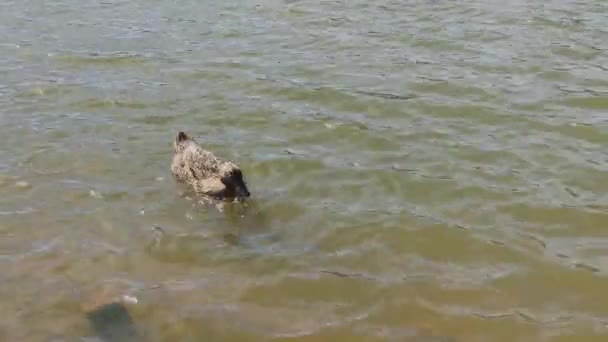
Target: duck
column 204, row 173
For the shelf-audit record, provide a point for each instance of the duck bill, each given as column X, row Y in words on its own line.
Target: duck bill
column 242, row 191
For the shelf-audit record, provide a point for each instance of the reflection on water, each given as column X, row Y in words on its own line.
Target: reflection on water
column 420, row 170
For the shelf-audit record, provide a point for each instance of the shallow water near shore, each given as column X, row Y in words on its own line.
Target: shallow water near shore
column 420, row 170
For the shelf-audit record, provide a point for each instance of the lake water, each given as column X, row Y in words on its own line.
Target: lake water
column 420, row 170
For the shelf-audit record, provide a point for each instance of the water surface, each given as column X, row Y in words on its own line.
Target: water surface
column 421, row 170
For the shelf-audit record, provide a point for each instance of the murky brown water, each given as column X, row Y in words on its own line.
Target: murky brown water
column 421, row 170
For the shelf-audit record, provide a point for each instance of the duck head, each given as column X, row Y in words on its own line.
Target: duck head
column 235, row 184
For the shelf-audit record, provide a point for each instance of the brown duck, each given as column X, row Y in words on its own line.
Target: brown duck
column 206, row 174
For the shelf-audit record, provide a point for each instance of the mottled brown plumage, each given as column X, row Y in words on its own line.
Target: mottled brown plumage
column 206, row 174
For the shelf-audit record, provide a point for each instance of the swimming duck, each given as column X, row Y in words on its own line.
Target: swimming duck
column 206, row 174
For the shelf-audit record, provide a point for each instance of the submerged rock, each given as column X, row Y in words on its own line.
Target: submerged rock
column 106, row 309
column 23, row 185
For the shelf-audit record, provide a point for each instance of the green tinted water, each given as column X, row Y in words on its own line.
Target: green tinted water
column 421, row 170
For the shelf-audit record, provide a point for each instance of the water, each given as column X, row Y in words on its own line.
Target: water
column 421, row 170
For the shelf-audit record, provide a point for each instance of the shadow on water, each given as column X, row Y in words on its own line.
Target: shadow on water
column 248, row 226
column 244, row 221
column 112, row 322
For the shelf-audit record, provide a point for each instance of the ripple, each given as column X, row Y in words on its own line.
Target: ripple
column 118, row 58
column 594, row 102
